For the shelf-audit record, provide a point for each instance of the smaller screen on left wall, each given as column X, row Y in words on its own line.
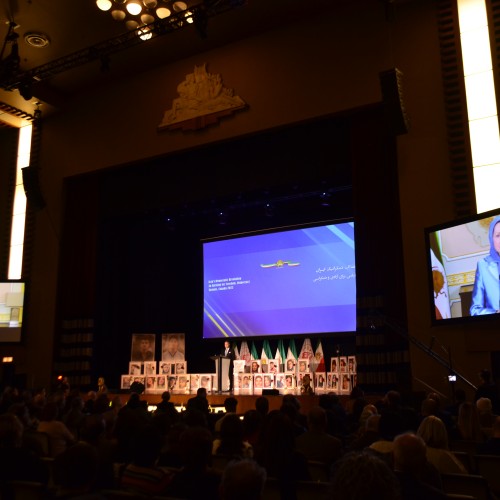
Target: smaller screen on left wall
column 12, row 295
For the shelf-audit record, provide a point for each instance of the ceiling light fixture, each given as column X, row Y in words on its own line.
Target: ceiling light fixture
column 138, row 13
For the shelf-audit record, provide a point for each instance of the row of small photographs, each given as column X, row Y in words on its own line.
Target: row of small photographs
column 183, row 384
column 343, row 364
column 150, row 368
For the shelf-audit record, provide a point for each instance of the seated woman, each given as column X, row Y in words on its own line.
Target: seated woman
column 433, row 431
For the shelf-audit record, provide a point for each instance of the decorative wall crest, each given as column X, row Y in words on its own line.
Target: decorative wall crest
column 202, row 101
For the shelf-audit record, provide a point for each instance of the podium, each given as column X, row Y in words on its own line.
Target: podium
column 221, row 373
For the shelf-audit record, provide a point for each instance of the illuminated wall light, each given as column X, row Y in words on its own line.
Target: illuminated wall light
column 481, row 102
column 19, row 206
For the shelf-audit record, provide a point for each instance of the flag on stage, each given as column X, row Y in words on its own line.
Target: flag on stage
column 245, row 352
column 319, row 359
column 266, row 352
column 292, row 350
column 280, row 352
column 253, row 352
column 307, row 351
column 235, row 350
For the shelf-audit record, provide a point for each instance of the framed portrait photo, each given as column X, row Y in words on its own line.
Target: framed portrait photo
column 290, row 365
column 351, row 364
column 135, row 368
column 183, row 385
column 143, row 347
column 334, row 365
column 343, row 364
column 173, row 347
column 126, row 382
column 161, row 382
column 149, row 368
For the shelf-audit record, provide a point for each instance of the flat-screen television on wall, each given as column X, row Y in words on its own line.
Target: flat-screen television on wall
column 463, row 267
column 12, row 295
column 297, row 280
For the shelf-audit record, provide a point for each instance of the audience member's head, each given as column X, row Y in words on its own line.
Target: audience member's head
column 390, row 425
column 484, row 405
column 146, row 446
column 468, row 422
column 409, row 454
column 316, row 419
column 262, row 405
column 165, row 396
column 362, row 475
column 11, row 431
column 372, row 423
column 433, row 431
column 75, row 469
column 230, row 404
column 201, row 392
column 428, row 407
column 242, row 480
column 195, row 444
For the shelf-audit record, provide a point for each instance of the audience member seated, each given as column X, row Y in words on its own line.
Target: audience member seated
column 199, row 402
column 196, row 479
column 231, row 442
column 143, row 476
column 93, row 432
column 17, row 463
column 468, row 428
column 75, row 417
column 166, row 407
column 459, row 398
column 410, row 466
column 390, row 425
column 486, row 416
column 277, row 454
column 369, row 436
column 75, row 471
column 315, row 444
column 364, row 475
column 488, row 389
column 131, row 417
column 335, row 414
column 60, row 436
column 242, row 480
column 433, row 432
column 492, row 445
column 230, row 405
column 262, row 405
column 252, row 426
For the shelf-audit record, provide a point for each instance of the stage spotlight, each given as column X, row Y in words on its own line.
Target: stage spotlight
column 222, row 218
column 325, row 199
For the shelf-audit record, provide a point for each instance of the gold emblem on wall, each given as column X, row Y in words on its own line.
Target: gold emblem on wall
column 202, row 101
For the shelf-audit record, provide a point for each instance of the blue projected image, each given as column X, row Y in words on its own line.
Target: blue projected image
column 287, row 282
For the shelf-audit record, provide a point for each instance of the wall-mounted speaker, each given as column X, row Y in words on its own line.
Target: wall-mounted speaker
column 32, row 188
column 391, row 84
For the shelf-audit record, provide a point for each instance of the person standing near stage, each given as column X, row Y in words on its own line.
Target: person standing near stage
column 229, row 353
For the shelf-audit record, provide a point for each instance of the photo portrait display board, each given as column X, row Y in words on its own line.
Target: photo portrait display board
column 135, row 368
column 143, row 347
column 149, row 368
column 183, row 384
column 334, row 365
column 343, row 364
column 255, row 366
column 173, row 347
column 126, row 381
column 166, row 368
column 290, row 365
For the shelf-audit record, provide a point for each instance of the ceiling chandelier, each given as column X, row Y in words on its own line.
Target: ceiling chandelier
column 137, row 13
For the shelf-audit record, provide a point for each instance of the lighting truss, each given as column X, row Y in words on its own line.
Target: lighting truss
column 197, row 15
